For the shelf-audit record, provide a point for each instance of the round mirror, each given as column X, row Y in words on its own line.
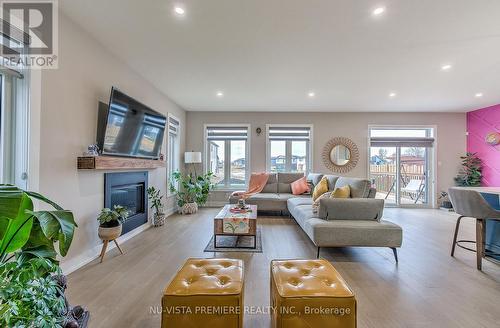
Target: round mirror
column 340, row 155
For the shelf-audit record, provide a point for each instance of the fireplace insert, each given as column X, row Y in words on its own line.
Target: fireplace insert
column 128, row 189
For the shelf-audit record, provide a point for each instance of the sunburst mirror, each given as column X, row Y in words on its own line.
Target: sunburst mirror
column 340, row 154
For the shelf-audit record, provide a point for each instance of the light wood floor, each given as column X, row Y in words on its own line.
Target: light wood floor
column 428, row 288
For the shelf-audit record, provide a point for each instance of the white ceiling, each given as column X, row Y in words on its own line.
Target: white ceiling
column 268, row 54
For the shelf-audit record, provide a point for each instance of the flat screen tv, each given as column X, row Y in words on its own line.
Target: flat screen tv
column 131, row 128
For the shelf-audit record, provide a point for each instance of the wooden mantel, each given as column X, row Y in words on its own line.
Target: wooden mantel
column 117, row 163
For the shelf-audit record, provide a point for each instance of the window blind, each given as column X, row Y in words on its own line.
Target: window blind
column 10, row 34
column 227, row 132
column 13, row 34
column 402, row 142
column 173, row 125
column 289, row 133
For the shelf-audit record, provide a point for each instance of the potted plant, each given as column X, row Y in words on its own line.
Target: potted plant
column 470, row 174
column 110, row 222
column 191, row 191
column 30, row 294
column 157, row 206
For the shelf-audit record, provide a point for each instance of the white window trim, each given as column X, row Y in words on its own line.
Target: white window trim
column 432, row 161
column 309, row 150
column 248, row 168
column 169, row 173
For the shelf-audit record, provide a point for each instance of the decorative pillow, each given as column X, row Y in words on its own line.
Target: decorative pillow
column 299, row 186
column 315, row 204
column 320, row 188
column 342, row 192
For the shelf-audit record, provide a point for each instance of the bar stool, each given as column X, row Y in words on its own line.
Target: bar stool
column 470, row 203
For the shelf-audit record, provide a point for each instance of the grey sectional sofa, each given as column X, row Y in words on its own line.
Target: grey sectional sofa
column 356, row 221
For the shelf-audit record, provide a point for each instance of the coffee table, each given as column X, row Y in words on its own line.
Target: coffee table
column 225, row 213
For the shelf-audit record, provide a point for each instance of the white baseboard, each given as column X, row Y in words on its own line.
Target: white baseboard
column 91, row 254
column 170, row 211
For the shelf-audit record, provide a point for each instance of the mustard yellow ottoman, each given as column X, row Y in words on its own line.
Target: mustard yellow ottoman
column 205, row 293
column 310, row 293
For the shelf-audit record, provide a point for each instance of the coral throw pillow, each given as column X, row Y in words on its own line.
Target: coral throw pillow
column 342, row 192
column 300, row 186
column 320, row 188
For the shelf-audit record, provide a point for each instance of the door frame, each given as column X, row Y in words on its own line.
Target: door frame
column 431, row 170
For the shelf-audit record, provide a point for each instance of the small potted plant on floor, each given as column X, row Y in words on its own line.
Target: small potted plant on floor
column 191, row 190
column 110, row 222
column 470, row 175
column 157, row 206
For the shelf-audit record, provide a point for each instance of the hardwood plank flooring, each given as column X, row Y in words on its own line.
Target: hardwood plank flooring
column 427, row 288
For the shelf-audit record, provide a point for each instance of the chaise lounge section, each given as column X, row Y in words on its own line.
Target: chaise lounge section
column 356, row 221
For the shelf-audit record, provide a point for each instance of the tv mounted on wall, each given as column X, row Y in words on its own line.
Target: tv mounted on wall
column 129, row 128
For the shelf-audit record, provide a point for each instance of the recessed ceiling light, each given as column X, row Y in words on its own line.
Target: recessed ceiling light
column 392, row 95
column 179, row 11
column 378, row 11
column 220, row 94
column 446, row 67
column 311, row 94
column 479, row 95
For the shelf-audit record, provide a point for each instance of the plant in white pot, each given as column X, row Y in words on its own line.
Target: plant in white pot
column 110, row 222
column 156, row 205
column 191, row 191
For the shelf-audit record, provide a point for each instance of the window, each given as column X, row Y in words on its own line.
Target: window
column 14, row 110
column 289, row 148
column 14, row 128
column 401, row 164
column 173, row 145
column 227, row 154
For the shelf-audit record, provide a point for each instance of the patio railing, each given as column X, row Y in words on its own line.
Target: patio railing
column 384, row 177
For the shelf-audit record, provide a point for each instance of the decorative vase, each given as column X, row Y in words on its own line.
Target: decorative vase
column 189, row 208
column 158, row 219
column 446, row 204
column 109, row 233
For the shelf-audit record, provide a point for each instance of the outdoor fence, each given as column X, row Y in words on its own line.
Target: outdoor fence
column 384, row 177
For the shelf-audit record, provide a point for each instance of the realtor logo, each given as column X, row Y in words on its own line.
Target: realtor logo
column 29, row 33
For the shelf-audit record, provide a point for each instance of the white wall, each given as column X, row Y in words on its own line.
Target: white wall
column 68, row 104
column 450, row 136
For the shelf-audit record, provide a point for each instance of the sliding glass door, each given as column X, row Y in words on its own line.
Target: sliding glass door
column 401, row 165
column 413, row 173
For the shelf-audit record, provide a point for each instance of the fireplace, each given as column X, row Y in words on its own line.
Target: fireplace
column 128, row 189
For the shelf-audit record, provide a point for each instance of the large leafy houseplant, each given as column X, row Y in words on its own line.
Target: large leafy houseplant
column 190, row 189
column 470, row 174
column 30, row 296
column 28, row 258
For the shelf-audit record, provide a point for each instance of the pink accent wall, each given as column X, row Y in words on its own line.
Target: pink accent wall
column 479, row 123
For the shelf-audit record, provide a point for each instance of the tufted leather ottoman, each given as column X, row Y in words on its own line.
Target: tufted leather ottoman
column 205, row 293
column 310, row 293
